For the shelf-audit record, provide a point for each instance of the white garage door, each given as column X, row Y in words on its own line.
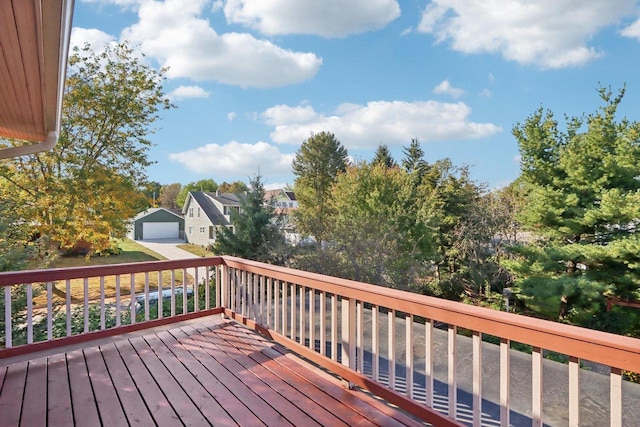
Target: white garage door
column 160, row 230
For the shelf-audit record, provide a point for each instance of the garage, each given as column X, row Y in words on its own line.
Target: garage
column 160, row 230
column 157, row 223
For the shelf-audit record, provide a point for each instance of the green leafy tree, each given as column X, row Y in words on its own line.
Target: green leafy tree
column 152, row 192
column 257, row 233
column 383, row 157
column 317, row 164
column 169, row 195
column 236, row 187
column 583, row 204
column 80, row 192
column 202, row 185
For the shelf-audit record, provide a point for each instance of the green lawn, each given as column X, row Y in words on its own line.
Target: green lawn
column 131, row 252
column 196, row 250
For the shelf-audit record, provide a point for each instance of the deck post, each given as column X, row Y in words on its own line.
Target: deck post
column 348, row 334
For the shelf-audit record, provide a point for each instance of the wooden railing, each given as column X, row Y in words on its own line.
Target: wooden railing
column 419, row 352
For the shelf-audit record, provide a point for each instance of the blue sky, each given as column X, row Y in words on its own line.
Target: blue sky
column 252, row 79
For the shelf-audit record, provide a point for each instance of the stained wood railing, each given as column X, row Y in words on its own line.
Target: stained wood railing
column 428, row 355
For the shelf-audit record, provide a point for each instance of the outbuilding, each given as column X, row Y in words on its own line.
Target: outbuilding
column 157, row 223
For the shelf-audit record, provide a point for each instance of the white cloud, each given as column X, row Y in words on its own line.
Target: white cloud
column 96, row 38
column 184, row 92
column 327, row 18
column 176, row 34
column 387, row 122
column 232, row 116
column 235, row 159
column 444, row 87
column 547, row 33
column 632, row 31
column 406, row 31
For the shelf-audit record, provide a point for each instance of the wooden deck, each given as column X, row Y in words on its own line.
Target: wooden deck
column 212, row 372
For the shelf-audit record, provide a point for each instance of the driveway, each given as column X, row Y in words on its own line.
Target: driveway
column 168, row 248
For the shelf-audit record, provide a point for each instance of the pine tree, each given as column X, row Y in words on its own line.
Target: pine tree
column 383, row 157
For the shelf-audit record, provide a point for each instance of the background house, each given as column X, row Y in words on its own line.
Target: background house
column 157, row 223
column 285, row 203
column 204, row 212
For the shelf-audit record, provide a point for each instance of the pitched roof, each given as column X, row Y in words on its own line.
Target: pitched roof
column 150, row 211
column 209, row 208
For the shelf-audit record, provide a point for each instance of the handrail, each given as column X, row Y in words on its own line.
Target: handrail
column 597, row 346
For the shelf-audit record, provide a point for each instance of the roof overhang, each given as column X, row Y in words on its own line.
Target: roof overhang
column 34, row 46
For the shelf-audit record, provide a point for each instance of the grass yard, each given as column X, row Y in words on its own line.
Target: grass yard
column 196, row 250
column 131, row 252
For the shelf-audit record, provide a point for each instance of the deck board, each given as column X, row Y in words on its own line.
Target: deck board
column 209, row 372
column 11, row 395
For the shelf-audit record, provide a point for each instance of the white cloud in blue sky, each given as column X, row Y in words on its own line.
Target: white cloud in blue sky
column 547, row 33
column 326, row 18
column 455, row 74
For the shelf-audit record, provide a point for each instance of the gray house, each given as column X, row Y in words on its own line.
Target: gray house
column 205, row 212
column 157, row 223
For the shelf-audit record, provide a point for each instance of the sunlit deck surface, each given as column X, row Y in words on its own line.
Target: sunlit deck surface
column 205, row 372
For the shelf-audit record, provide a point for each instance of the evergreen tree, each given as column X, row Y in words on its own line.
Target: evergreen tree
column 583, row 203
column 257, row 233
column 414, row 158
column 383, row 157
column 317, row 164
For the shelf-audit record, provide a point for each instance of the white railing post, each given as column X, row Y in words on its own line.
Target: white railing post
column 49, row 310
column 505, row 382
column 428, row 362
column 391, row 348
column 348, row 332
column 477, row 378
column 536, row 387
column 408, row 359
column 375, row 343
column 452, row 354
column 615, row 397
column 30, row 313
column 574, row 392
column 8, row 333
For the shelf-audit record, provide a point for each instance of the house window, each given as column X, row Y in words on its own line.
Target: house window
column 198, row 212
column 212, row 233
column 202, row 230
column 228, row 210
column 190, row 230
column 190, row 213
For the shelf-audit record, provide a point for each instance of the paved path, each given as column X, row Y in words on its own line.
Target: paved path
column 169, row 249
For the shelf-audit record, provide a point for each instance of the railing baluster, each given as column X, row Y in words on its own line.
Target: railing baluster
column 294, row 310
column 312, row 319
column 207, row 285
column 261, row 301
column 409, row 354
column 477, row 378
column 452, row 359
column 8, row 327
column 196, row 289
column 303, row 315
column 160, row 296
column 428, row 362
column 255, row 297
column 334, row 327
column 615, row 397
column 132, row 306
column 102, row 306
column 276, row 304
column 29, row 313
column 375, row 343
column 185, row 295
column 285, row 307
column 574, row 391
column 49, row 310
column 505, row 382
column 173, row 293
column 68, row 306
column 360, row 335
column 536, row 387
column 323, row 323
column 269, row 319
column 146, row 296
column 86, row 304
column 118, row 320
column 391, row 348
column 348, row 332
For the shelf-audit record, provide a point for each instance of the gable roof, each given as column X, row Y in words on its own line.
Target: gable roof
column 154, row 210
column 209, row 208
column 269, row 194
column 34, row 36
